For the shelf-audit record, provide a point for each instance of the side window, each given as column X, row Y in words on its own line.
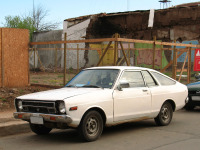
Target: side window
column 134, row 78
column 148, row 79
column 162, row 79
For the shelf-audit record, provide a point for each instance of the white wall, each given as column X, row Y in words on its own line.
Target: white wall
column 75, row 32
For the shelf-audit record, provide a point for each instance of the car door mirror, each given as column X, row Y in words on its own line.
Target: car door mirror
column 123, row 85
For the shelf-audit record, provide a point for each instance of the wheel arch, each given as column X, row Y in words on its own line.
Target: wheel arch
column 99, row 110
column 172, row 104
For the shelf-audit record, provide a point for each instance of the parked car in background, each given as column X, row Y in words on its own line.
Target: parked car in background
column 193, row 95
column 103, row 96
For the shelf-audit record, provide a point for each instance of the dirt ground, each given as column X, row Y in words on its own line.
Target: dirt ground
column 51, row 80
column 7, row 95
column 46, row 78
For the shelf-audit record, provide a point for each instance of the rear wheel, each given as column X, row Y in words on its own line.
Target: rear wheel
column 91, row 126
column 39, row 129
column 165, row 115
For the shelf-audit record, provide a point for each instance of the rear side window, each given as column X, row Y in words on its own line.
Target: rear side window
column 148, row 79
column 162, row 79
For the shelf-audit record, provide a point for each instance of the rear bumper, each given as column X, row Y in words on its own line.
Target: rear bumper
column 46, row 117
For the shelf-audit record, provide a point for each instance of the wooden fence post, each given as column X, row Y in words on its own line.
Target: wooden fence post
column 56, row 59
column 129, row 53
column 34, row 58
column 189, row 65
column 77, row 58
column 65, row 54
column 115, row 48
column 161, row 61
column 154, row 51
column 174, row 62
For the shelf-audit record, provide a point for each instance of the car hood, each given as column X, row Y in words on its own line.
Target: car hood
column 58, row 94
column 193, row 86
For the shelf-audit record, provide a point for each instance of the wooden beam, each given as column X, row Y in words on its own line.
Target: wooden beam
column 115, row 48
column 174, row 62
column 77, row 58
column 124, row 54
column 114, row 39
column 189, row 65
column 74, row 41
column 183, row 67
column 154, row 52
column 171, row 62
column 102, row 56
column 65, row 59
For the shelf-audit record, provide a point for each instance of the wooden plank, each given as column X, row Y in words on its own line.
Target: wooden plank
column 161, row 57
column 102, row 56
column 189, row 65
column 65, row 55
column 170, row 63
column 115, row 49
column 179, row 70
column 124, row 54
column 134, row 40
column 114, row 39
column 15, row 57
column 176, row 44
column 183, row 67
column 74, row 41
column 1, row 59
column 154, row 52
column 77, row 58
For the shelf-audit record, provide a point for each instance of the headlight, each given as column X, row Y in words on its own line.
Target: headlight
column 19, row 105
column 61, row 107
column 186, row 100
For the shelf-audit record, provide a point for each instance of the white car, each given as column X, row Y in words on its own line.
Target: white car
column 103, row 96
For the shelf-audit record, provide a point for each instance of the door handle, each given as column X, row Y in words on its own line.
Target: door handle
column 144, row 90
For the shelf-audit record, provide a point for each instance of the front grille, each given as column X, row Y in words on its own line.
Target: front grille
column 191, row 92
column 39, row 107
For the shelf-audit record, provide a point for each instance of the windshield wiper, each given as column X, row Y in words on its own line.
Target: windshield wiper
column 93, row 86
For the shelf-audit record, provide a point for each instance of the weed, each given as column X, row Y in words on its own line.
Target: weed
column 34, row 81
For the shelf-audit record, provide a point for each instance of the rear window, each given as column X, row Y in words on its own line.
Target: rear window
column 162, row 79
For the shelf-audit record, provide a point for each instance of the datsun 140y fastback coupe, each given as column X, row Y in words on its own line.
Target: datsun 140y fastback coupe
column 103, row 96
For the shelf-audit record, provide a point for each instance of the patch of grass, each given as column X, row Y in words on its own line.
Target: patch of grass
column 2, row 99
column 53, row 81
column 21, row 91
column 34, row 81
column 60, row 76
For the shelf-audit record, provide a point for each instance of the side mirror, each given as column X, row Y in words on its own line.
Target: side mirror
column 123, row 85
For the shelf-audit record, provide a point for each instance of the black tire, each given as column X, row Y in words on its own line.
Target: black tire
column 165, row 115
column 91, row 126
column 39, row 129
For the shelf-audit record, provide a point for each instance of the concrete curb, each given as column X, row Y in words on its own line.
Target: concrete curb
column 14, row 127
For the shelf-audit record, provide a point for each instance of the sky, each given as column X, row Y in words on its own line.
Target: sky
column 59, row 10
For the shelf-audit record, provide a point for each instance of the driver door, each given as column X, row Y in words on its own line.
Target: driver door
column 132, row 101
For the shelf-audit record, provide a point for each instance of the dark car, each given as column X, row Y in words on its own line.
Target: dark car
column 193, row 95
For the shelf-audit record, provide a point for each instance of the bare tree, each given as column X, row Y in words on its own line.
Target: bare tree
column 39, row 14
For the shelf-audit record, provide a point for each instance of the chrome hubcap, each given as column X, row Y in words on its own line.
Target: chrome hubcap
column 92, row 126
column 165, row 114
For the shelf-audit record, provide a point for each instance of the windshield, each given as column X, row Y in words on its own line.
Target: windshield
column 97, row 78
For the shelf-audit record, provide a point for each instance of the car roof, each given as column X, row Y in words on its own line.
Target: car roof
column 121, row 68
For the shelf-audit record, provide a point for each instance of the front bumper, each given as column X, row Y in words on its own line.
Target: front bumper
column 46, row 117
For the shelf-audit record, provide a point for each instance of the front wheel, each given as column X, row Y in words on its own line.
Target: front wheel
column 165, row 115
column 91, row 126
column 39, row 129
